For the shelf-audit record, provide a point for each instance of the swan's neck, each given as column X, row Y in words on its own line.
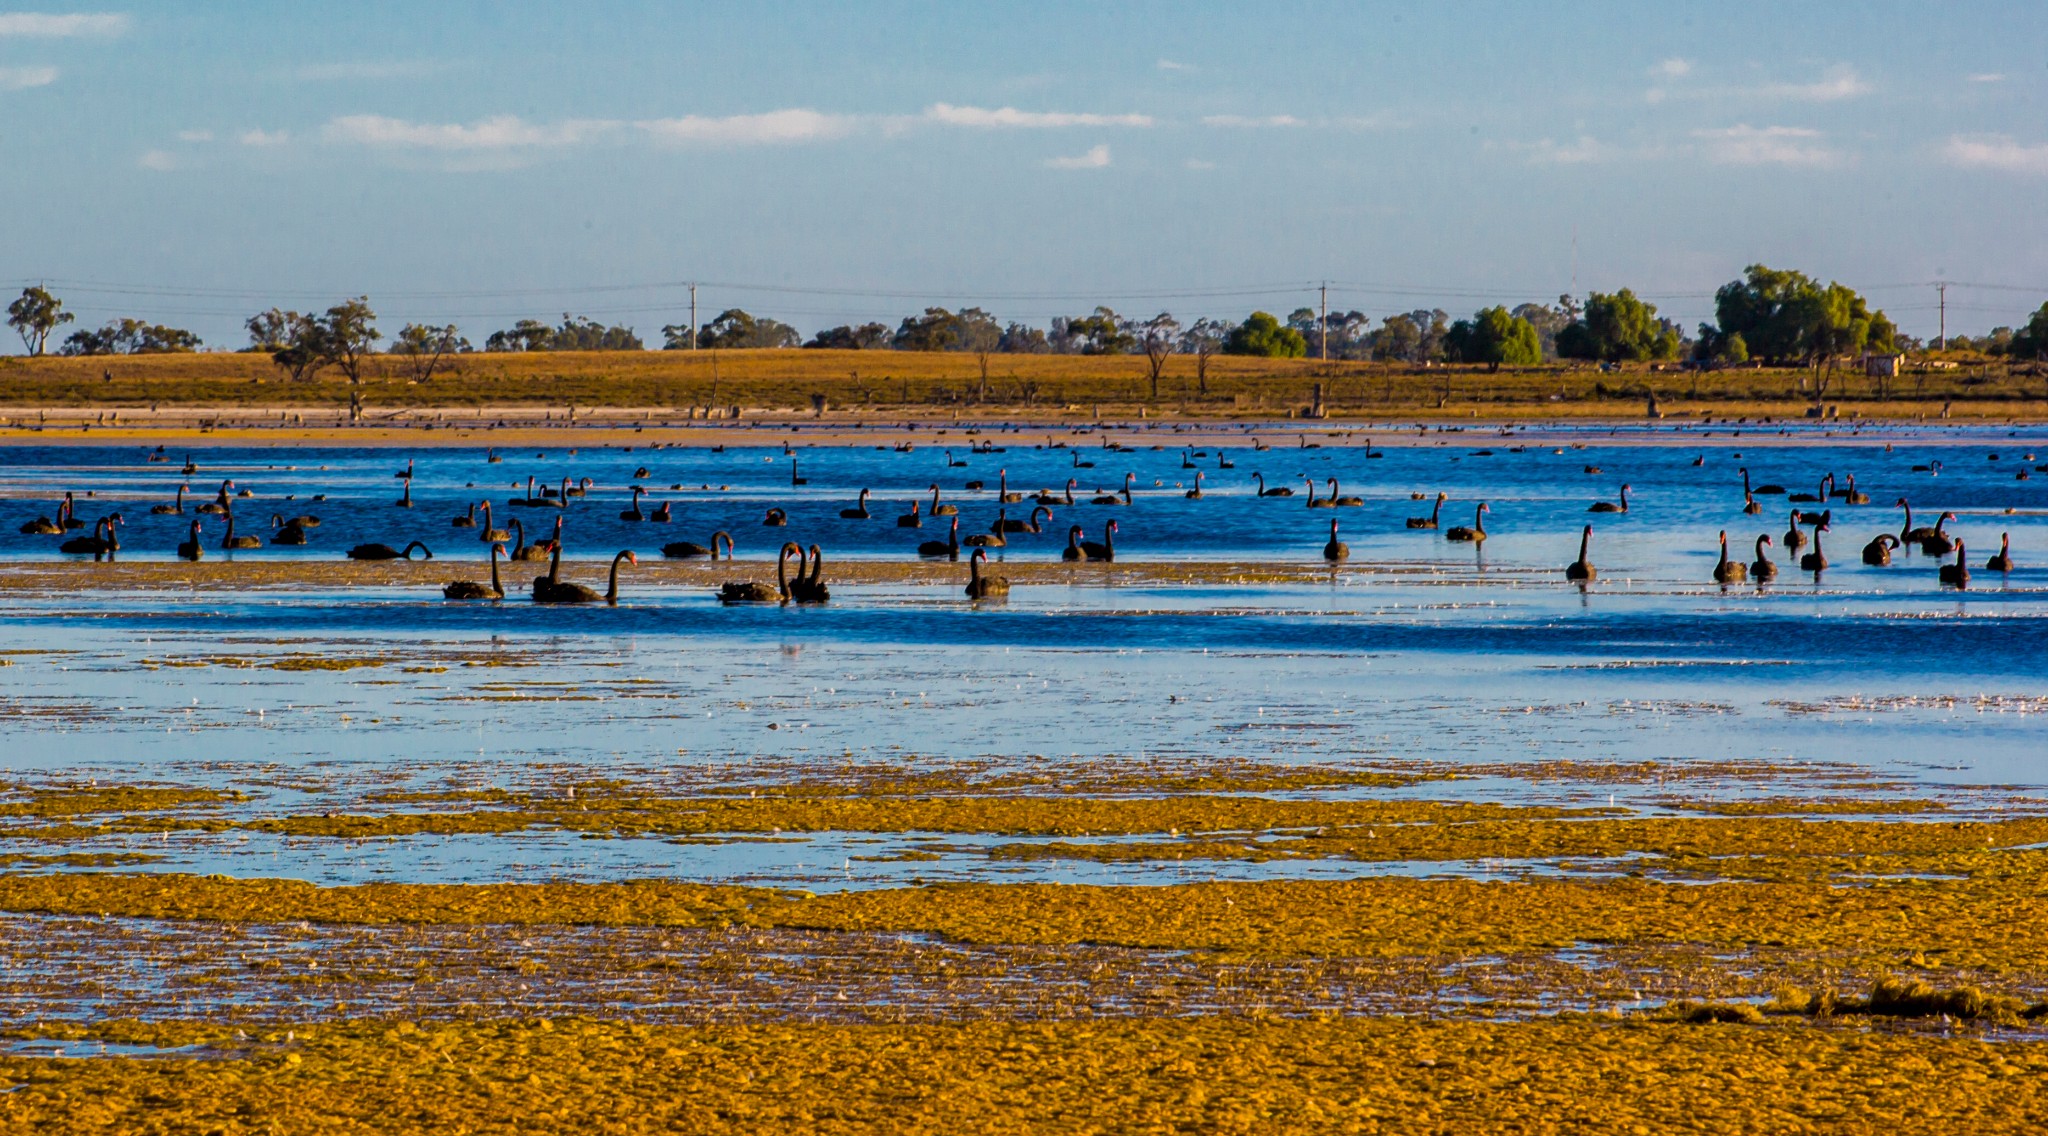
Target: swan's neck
column 495, row 585
column 611, row 592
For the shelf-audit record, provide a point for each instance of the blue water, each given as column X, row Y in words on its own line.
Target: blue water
column 1537, row 498
column 1421, row 651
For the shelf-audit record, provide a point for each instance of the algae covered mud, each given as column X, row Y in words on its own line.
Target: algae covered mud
column 1217, row 834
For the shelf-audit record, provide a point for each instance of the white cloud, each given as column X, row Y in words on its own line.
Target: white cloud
column 981, row 117
column 1987, row 77
column 22, row 78
column 368, row 70
column 1835, row 84
column 157, row 160
column 1170, row 65
column 1673, row 68
column 1747, row 145
column 46, row 25
column 195, row 135
column 264, row 137
column 501, row 132
column 1381, row 120
column 1251, row 120
column 1096, row 158
column 1580, row 151
column 1997, row 152
column 776, row 126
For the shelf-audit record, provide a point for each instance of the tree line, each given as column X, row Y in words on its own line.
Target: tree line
column 1773, row 316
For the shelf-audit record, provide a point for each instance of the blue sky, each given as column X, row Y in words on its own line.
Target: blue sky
column 477, row 162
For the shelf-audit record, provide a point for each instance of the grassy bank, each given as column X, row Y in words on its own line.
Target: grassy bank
column 1012, row 385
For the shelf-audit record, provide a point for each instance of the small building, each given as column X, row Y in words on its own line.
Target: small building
column 1884, row 366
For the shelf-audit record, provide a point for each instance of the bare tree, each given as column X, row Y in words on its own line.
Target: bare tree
column 423, row 345
column 1157, row 338
column 1203, row 339
column 349, row 332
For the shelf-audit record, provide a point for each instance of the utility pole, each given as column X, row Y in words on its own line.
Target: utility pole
column 693, row 317
column 1326, row 321
column 1941, row 341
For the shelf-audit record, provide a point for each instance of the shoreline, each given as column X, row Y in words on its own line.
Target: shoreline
column 623, row 431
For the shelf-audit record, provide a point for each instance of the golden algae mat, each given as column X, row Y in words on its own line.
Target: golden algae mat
column 1208, row 1074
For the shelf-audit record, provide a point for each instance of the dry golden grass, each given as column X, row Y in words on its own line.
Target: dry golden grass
column 1012, row 385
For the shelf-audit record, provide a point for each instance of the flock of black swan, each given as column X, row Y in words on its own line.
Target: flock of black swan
column 807, row 586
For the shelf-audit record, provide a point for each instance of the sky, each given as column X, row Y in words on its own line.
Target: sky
column 482, row 162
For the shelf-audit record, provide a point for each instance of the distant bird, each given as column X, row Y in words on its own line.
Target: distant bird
column 948, row 548
column 691, row 550
column 1728, row 571
column 980, row 587
column 1474, row 534
column 287, row 532
column 1336, row 550
column 1104, row 551
column 1763, row 571
column 386, row 552
column 1610, row 506
column 1430, row 521
column 1956, row 575
column 1582, row 570
column 471, row 590
column 2002, row 562
column 1816, row 560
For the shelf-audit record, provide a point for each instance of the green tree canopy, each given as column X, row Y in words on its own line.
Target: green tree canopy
column 526, row 335
column 294, row 340
column 735, row 329
column 578, row 333
column 1494, row 336
column 1101, row 333
column 130, row 337
column 1618, row 328
column 2031, row 341
column 1416, row 337
column 846, row 337
column 34, row 315
column 1023, row 339
column 1786, row 316
column 1264, row 335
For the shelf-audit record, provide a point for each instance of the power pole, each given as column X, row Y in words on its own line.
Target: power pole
column 1326, row 321
column 693, row 317
column 1941, row 341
